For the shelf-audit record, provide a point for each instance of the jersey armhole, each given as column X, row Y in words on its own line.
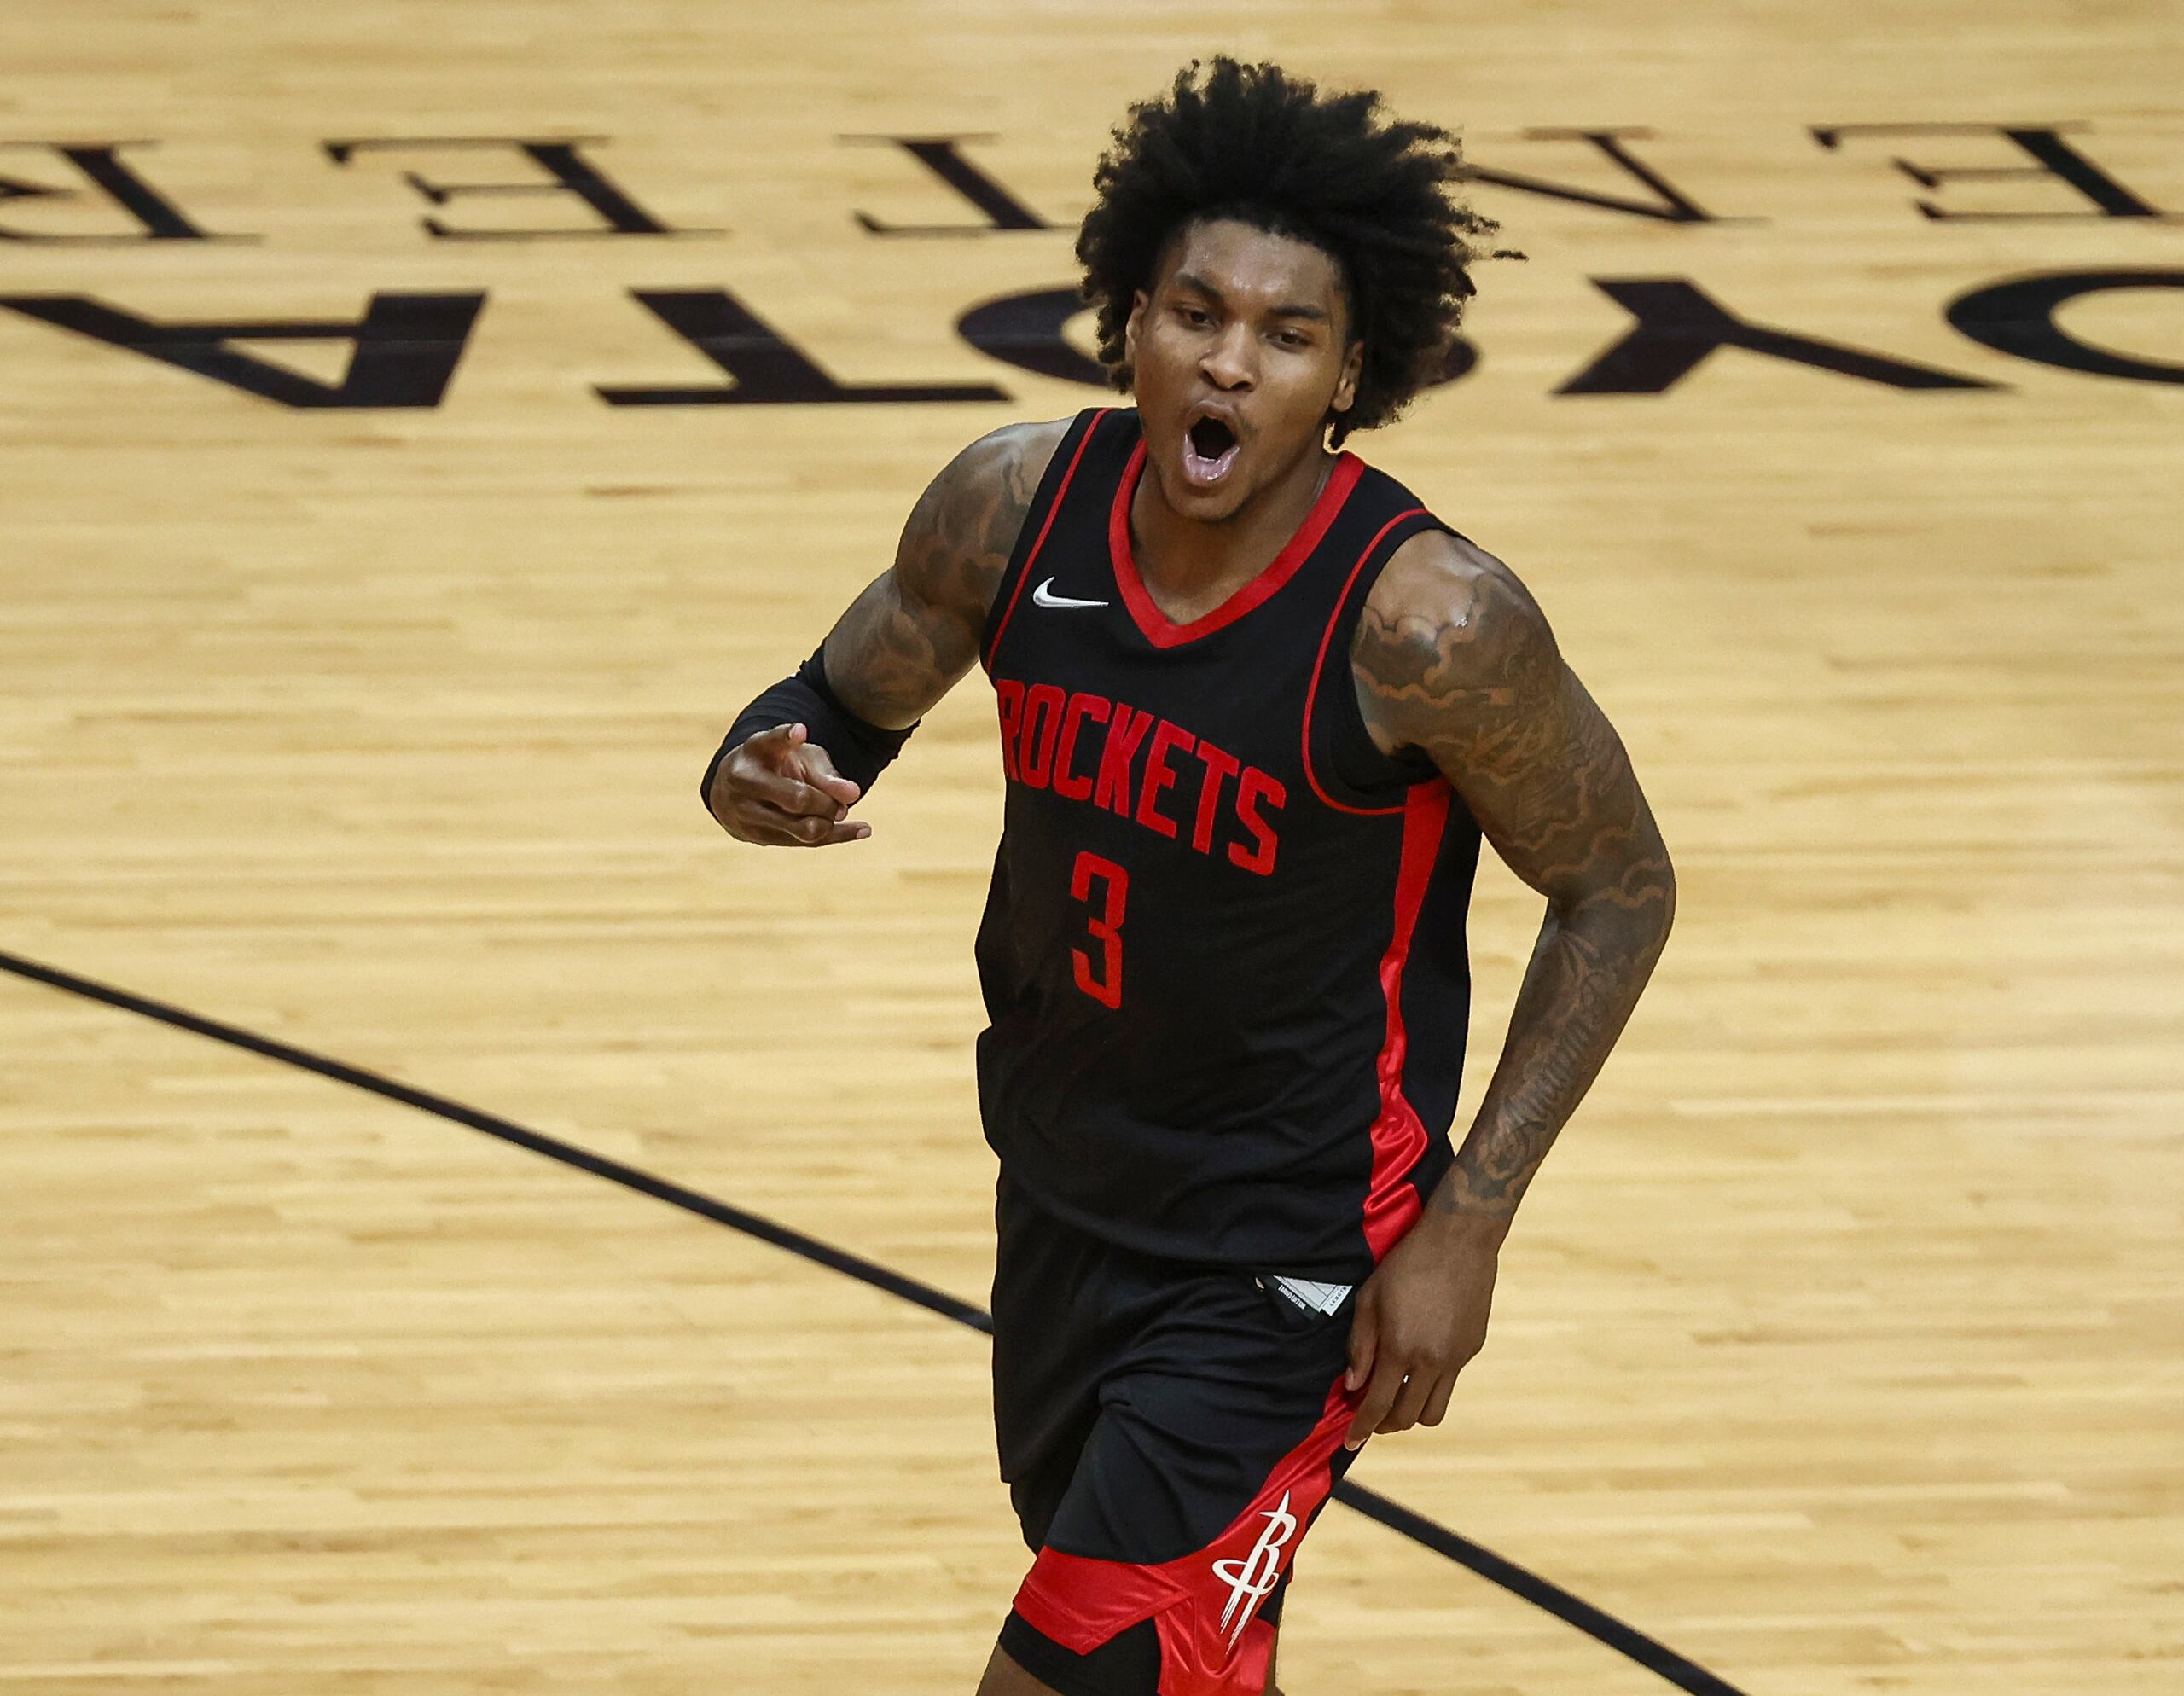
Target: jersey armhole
column 1039, row 519
column 1345, row 768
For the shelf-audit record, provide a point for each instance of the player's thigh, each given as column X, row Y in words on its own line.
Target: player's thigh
column 1218, row 1441
column 1004, row 1677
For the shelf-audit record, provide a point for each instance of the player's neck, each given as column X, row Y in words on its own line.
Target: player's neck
column 1190, row 566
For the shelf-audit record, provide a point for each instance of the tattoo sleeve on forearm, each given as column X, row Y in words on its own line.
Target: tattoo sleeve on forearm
column 915, row 629
column 1478, row 683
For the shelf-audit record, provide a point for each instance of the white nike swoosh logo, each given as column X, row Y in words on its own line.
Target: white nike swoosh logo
column 1044, row 596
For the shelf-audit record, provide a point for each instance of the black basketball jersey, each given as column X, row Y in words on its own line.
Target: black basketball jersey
column 1223, row 955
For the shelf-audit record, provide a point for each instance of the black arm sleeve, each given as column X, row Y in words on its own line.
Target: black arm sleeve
column 859, row 748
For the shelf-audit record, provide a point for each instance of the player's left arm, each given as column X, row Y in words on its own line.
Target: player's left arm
column 1454, row 657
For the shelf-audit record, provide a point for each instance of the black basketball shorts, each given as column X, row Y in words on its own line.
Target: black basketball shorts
column 1168, row 1433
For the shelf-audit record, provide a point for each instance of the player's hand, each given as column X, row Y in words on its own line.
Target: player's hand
column 779, row 787
column 1420, row 1319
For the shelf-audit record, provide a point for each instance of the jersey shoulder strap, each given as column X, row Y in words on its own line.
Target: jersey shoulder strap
column 1345, row 769
column 1071, row 468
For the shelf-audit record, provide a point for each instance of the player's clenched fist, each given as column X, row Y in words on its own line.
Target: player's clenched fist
column 778, row 787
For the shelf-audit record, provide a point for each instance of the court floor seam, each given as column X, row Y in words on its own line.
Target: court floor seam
column 1604, row 1628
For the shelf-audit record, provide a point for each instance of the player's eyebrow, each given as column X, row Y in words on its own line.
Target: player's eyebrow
column 1288, row 309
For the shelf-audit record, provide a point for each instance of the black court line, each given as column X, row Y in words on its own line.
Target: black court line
column 1626, row 1640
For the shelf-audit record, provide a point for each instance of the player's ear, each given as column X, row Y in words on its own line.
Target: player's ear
column 1345, row 388
column 1137, row 305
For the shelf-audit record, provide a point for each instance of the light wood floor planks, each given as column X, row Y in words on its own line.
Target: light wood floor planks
column 1839, row 1344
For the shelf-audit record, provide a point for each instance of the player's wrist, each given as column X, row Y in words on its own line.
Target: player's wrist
column 857, row 748
column 1457, row 1216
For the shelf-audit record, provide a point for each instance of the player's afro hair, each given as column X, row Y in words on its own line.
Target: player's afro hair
column 1251, row 142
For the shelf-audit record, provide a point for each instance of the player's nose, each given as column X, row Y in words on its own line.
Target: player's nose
column 1229, row 359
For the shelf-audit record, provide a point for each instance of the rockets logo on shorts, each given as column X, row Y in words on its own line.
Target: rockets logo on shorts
column 1248, row 1579
column 1207, row 1607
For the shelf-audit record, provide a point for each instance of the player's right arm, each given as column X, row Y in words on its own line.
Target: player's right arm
column 902, row 644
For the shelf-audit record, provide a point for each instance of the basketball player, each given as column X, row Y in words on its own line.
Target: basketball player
column 1256, row 704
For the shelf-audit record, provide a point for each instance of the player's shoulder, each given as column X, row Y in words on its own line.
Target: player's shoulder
column 1438, row 571
column 1446, row 619
column 956, row 545
column 1009, row 461
column 1442, row 577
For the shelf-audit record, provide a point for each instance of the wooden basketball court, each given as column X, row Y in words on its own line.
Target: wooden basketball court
column 373, row 591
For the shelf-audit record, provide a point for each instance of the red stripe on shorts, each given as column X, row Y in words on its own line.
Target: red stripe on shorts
column 1204, row 1606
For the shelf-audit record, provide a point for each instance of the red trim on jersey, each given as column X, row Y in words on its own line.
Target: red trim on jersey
column 1160, row 629
column 1312, row 688
column 1082, row 1602
column 1024, row 577
column 1391, row 1206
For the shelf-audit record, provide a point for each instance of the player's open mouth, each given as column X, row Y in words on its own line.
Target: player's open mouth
column 1209, row 450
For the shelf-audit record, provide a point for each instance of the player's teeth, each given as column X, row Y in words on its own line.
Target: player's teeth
column 1208, row 470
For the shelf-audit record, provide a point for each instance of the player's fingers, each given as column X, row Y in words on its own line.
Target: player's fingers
column 753, row 762
column 816, row 766
column 783, row 766
column 1364, row 1330
column 1437, row 1404
column 752, row 781
column 1380, row 1396
column 772, row 745
column 771, row 827
column 819, row 833
column 1409, row 1404
column 768, row 827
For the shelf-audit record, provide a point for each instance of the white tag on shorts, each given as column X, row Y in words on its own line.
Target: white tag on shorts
column 1313, row 1297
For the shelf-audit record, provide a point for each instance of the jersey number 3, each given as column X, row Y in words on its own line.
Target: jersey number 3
column 1105, row 983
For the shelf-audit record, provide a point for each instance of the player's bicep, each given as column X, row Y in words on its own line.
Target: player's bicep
column 1552, row 789
column 899, row 647
column 915, row 630
column 1458, row 660
column 904, row 641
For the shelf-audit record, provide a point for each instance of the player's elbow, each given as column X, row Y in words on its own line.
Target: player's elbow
column 1648, row 883
column 1662, row 895
column 1630, row 898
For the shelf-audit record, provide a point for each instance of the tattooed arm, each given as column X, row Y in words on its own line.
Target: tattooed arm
column 1455, row 658
column 902, row 644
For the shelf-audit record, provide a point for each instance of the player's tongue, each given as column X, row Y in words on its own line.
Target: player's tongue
column 1209, row 450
